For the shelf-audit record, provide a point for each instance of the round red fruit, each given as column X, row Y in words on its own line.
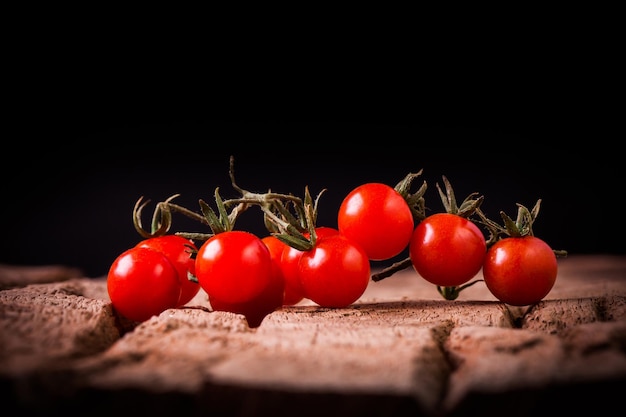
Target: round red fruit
column 520, row 271
column 234, row 266
column 289, row 261
column 377, row 218
column 335, row 273
column 142, row 283
column 179, row 251
column 447, row 250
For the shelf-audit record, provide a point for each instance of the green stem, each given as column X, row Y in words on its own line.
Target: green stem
column 452, row 293
column 390, row 270
column 191, row 214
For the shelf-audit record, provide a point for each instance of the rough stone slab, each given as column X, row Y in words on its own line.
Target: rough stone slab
column 487, row 359
column 557, row 315
column 399, row 350
column 594, row 352
column 41, row 324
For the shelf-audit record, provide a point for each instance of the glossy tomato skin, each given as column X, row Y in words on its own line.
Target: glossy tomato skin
column 234, row 266
column 447, row 250
column 276, row 248
column 376, row 217
column 294, row 293
column 270, row 300
column 520, row 271
column 178, row 250
column 289, row 261
column 335, row 273
column 142, row 283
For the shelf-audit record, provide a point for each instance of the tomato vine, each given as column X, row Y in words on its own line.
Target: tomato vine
column 376, row 222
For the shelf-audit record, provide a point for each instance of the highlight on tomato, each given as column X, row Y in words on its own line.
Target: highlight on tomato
column 142, row 283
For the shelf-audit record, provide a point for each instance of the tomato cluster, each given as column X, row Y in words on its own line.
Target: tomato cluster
column 153, row 276
column 251, row 275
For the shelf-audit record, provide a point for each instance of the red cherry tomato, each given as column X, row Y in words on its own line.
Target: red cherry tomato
column 289, row 260
column 335, row 273
column 376, row 217
column 234, row 266
column 447, row 250
column 269, row 300
column 179, row 251
column 520, row 270
column 141, row 283
column 276, row 247
column 294, row 292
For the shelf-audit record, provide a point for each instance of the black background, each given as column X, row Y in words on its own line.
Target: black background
column 70, row 184
column 99, row 113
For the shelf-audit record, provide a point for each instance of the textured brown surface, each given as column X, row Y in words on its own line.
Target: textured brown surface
column 400, row 350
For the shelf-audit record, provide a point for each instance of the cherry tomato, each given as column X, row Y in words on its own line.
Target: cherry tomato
column 234, row 266
column 294, row 292
column 178, row 250
column 335, row 273
column 520, row 270
column 271, row 299
column 141, row 283
column 376, row 217
column 276, row 247
column 289, row 260
column 447, row 250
